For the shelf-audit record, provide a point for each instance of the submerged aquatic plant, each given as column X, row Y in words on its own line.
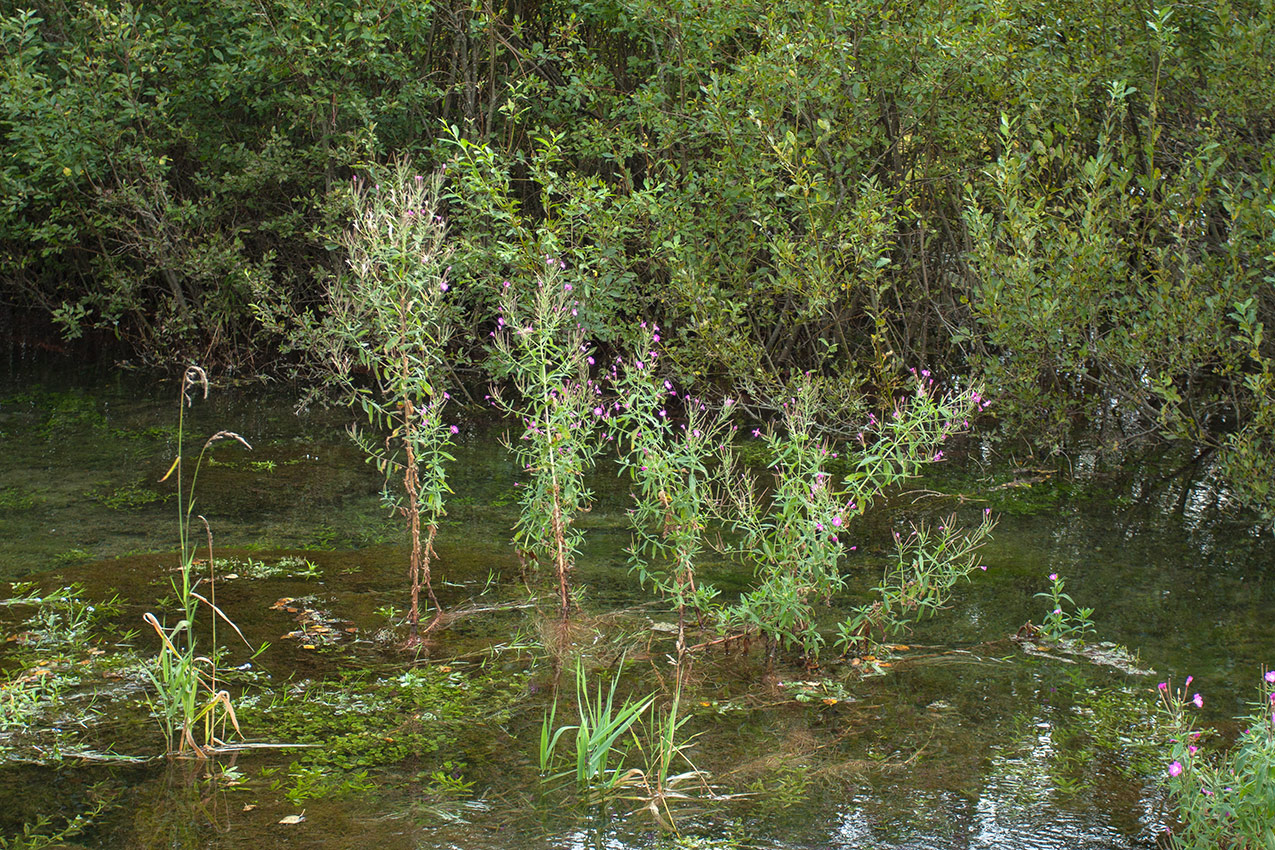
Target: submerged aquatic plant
column 193, row 711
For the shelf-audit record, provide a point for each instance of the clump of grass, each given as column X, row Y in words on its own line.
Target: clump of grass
column 600, row 735
column 193, row 711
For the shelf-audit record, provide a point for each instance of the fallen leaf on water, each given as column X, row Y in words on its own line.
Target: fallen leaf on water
column 829, row 701
column 899, row 647
column 247, row 807
column 291, row 819
column 308, row 646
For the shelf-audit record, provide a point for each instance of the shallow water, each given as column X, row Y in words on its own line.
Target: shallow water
column 965, row 741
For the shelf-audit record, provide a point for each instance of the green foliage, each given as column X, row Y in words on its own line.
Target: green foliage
column 1071, row 204
column 1224, row 798
column 1060, row 624
column 193, row 711
column 928, row 564
column 675, row 469
column 366, row 720
column 601, row 734
column 793, row 536
column 540, row 348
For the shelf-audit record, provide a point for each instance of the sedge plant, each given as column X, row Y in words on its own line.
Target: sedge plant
column 601, row 735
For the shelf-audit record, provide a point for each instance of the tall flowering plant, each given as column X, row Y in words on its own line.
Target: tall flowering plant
column 794, row 531
column 540, row 349
column 1226, row 798
column 391, row 318
column 675, row 467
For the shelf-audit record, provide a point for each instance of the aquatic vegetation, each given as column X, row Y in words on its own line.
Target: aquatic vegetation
column 540, row 349
column 127, row 497
column 794, row 534
column 41, row 834
column 15, row 499
column 192, row 710
column 601, row 734
column 318, row 782
column 1059, row 623
column 391, row 316
column 1224, row 798
column 364, row 719
column 288, row 566
column 676, row 471
column 927, row 565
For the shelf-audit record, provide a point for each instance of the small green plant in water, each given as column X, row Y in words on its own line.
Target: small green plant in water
column 1060, row 623
column 601, row 735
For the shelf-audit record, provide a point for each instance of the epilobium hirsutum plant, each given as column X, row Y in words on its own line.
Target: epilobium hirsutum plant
column 1060, row 623
column 391, row 316
column 794, row 535
column 1224, row 799
column 540, row 349
column 675, row 472
column 928, row 563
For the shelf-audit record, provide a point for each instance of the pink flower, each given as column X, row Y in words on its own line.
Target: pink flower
column 836, row 520
column 1270, row 676
column 1198, row 700
column 454, row 429
column 597, row 411
column 1175, row 769
column 442, row 287
column 1053, row 576
column 1163, row 686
